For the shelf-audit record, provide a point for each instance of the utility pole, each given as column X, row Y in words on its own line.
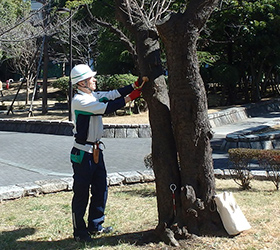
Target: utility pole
column 70, row 88
column 46, row 62
column 45, row 78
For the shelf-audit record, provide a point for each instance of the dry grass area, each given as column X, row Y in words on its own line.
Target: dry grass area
column 141, row 118
column 44, row 222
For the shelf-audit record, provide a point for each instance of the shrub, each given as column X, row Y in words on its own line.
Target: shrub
column 62, row 83
column 271, row 161
column 106, row 82
column 241, row 158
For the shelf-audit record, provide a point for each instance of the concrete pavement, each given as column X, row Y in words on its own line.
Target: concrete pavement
column 27, row 157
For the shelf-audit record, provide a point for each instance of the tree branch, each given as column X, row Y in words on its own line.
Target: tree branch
column 198, row 11
column 116, row 31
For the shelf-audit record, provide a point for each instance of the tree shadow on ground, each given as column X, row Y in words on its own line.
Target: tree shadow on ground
column 141, row 193
column 18, row 239
column 15, row 240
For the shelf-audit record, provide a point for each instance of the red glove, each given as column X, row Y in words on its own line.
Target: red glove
column 137, row 83
column 134, row 94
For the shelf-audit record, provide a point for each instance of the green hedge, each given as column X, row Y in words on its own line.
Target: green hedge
column 107, row 82
column 62, row 83
column 241, row 154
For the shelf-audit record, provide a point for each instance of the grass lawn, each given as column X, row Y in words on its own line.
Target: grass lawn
column 44, row 222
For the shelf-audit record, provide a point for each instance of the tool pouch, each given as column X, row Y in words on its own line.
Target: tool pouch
column 96, row 153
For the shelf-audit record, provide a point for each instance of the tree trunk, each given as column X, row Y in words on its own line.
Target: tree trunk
column 164, row 152
column 189, row 114
column 192, row 180
column 27, row 92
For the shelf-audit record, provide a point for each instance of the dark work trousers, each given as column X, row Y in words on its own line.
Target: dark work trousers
column 88, row 176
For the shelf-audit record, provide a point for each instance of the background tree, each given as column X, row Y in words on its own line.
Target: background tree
column 115, row 50
column 113, row 57
column 244, row 35
column 10, row 12
column 19, row 40
column 84, row 40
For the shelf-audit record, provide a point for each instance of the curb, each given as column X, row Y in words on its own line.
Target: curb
column 66, row 184
column 237, row 114
column 65, row 128
column 253, row 138
column 36, row 188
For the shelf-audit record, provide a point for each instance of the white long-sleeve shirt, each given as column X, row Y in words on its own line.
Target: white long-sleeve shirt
column 87, row 111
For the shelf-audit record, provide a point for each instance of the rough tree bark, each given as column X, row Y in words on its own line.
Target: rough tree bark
column 180, row 128
column 190, row 121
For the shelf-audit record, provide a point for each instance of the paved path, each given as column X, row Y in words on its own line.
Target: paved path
column 27, row 157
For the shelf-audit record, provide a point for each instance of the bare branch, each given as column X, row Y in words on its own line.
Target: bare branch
column 145, row 12
column 116, row 31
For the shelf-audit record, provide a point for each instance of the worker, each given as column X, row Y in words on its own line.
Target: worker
column 88, row 106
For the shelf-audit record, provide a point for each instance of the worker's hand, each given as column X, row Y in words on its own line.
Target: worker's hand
column 134, row 94
column 137, row 83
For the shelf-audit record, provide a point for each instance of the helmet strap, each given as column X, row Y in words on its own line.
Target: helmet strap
column 86, row 85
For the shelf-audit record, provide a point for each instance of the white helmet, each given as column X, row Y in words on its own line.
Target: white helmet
column 81, row 72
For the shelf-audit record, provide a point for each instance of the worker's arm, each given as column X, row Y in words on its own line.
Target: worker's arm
column 113, row 105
